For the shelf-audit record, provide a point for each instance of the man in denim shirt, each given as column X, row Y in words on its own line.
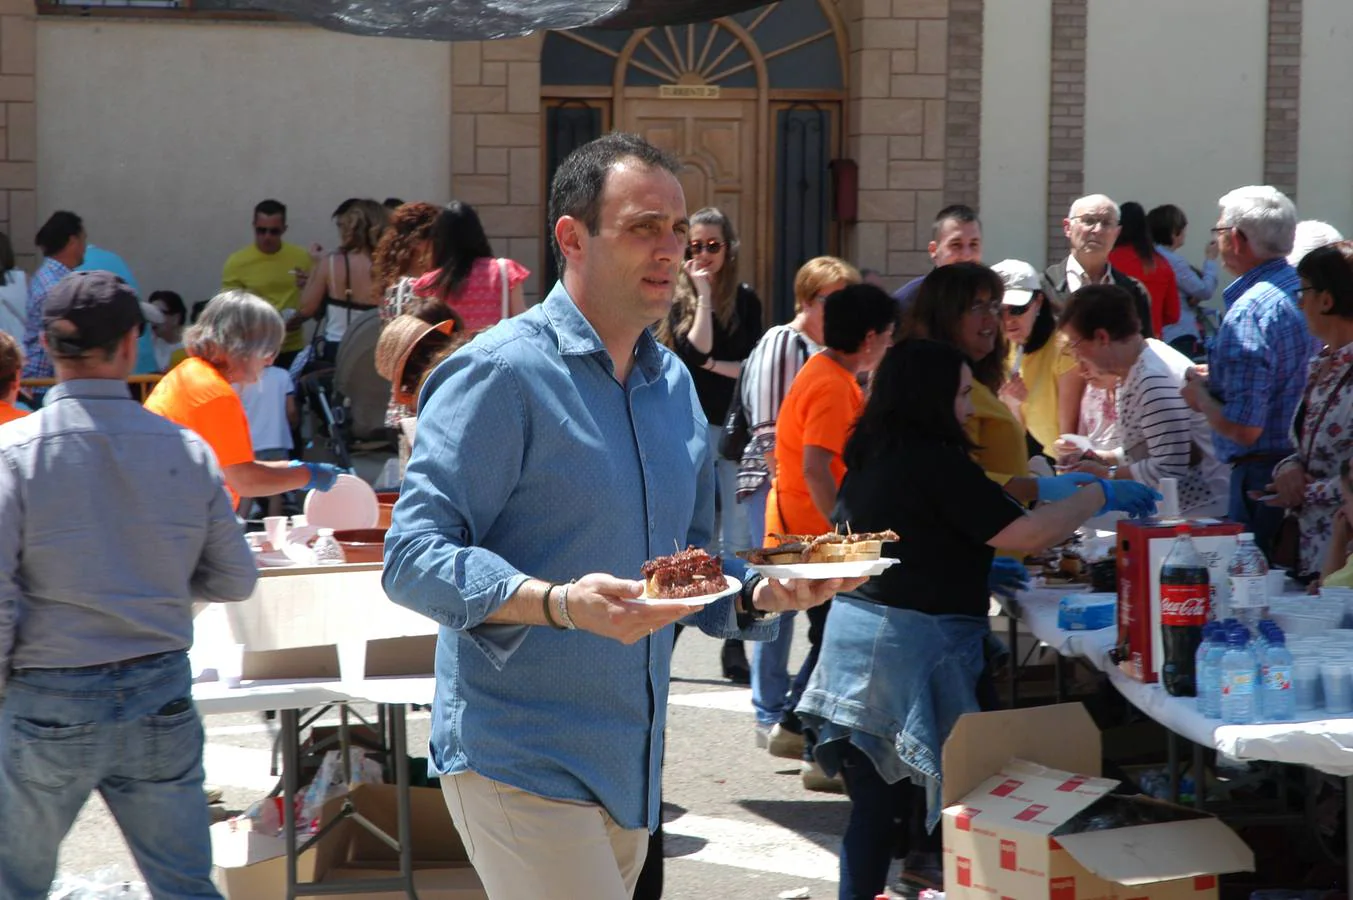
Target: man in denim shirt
column 112, row 521
column 1257, row 368
column 560, row 443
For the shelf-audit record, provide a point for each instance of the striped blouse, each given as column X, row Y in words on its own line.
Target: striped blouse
column 767, row 374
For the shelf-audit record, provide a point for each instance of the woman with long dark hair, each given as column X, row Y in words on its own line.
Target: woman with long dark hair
column 714, row 323
column 902, row 656
column 1134, row 253
column 466, row 276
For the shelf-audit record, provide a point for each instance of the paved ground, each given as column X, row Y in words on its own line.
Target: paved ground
column 739, row 822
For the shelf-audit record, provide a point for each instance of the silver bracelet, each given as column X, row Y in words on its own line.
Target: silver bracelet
column 561, row 606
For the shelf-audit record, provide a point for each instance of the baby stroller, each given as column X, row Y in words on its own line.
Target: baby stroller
column 346, row 404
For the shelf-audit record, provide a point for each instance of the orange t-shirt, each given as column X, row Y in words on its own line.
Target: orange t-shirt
column 9, row 412
column 820, row 409
column 195, row 395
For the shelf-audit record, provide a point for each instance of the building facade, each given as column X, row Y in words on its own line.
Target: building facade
column 819, row 126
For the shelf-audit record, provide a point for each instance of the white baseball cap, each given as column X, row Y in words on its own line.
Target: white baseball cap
column 1021, row 281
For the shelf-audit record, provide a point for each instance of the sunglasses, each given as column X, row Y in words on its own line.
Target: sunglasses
column 1009, row 310
column 262, row 230
column 695, row 248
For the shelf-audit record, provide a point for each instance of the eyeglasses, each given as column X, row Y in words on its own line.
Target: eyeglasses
column 1096, row 221
column 1221, row 229
column 1014, row 311
column 261, row 230
column 985, row 308
column 695, row 248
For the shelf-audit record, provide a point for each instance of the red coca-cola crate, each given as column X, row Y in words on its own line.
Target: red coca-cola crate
column 1143, row 545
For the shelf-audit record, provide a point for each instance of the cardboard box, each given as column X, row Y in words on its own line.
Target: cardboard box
column 292, row 625
column 1142, row 548
column 253, row 867
column 1013, row 779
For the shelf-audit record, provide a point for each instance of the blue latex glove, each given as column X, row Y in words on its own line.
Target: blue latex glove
column 1007, row 576
column 1062, row 486
column 323, row 476
column 1131, row 497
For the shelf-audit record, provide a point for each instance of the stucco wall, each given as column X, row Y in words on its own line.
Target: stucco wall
column 1015, row 76
column 1175, row 103
column 1325, row 152
column 164, row 135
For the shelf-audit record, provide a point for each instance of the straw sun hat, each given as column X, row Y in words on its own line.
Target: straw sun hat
column 400, row 337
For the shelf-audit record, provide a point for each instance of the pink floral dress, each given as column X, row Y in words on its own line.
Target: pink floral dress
column 1328, row 407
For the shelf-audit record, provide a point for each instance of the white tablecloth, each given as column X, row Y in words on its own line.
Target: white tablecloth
column 1322, row 743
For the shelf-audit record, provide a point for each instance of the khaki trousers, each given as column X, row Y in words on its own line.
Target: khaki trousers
column 524, row 845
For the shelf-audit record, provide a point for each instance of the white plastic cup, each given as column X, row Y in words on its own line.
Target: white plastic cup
column 1334, row 679
column 1306, row 683
column 275, row 527
column 299, row 521
column 230, row 665
column 1168, row 508
column 352, row 661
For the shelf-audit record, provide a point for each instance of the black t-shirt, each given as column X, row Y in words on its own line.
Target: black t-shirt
column 714, row 390
column 944, row 509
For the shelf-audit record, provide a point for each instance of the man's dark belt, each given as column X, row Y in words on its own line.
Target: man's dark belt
column 101, row 667
column 1269, row 456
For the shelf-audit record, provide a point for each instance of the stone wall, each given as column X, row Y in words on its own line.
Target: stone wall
column 18, row 128
column 496, row 146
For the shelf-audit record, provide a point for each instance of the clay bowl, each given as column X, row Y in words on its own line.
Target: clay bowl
column 362, row 545
column 386, row 499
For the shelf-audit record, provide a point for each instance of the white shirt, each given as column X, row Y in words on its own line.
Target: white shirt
column 265, row 406
column 164, row 351
column 14, row 303
column 1077, row 279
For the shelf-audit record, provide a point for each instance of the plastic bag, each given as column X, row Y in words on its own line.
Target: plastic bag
column 328, row 782
column 108, row 883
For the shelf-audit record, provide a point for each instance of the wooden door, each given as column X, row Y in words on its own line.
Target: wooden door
column 717, row 140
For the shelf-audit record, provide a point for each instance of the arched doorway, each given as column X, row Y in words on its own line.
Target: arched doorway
column 751, row 103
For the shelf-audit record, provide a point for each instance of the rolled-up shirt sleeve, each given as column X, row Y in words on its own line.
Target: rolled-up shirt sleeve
column 11, row 515
column 471, row 411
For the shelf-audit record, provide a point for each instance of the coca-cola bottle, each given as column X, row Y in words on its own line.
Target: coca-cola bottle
column 1184, row 597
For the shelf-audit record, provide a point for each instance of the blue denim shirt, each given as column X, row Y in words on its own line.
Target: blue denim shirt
column 1260, row 358
column 893, row 682
column 532, row 460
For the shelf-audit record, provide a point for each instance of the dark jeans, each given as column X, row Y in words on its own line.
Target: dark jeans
column 1261, row 519
column 887, row 820
column 817, row 624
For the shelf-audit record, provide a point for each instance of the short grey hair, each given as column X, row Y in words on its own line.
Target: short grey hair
column 1094, row 200
column 235, row 326
column 1264, row 214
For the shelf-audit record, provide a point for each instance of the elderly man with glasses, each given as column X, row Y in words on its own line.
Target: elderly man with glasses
column 274, row 270
column 1091, row 228
column 1256, row 371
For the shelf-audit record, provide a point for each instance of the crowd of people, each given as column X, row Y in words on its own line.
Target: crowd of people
column 547, row 452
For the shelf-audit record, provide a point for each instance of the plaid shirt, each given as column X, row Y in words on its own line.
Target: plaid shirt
column 1259, row 361
column 37, row 364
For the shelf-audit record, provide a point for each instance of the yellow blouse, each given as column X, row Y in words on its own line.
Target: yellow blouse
column 1002, row 450
column 1041, row 371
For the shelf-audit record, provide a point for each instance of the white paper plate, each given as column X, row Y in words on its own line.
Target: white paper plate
column 862, row 568
column 732, row 585
column 272, row 558
column 350, row 503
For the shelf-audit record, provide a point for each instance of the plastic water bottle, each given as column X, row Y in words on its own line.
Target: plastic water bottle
column 1259, row 647
column 1238, row 677
column 1280, row 700
column 1248, row 576
column 1208, row 669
